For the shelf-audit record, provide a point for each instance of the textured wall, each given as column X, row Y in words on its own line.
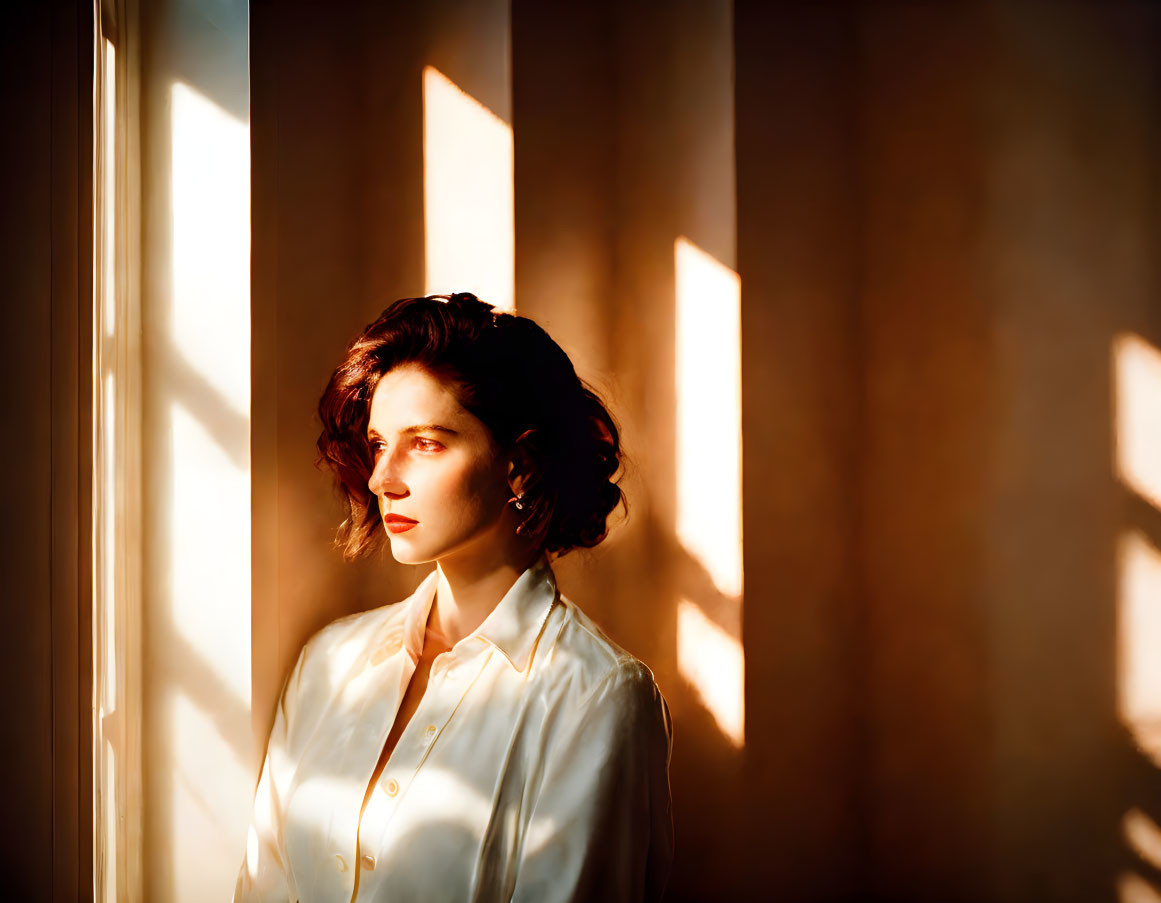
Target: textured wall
column 944, row 216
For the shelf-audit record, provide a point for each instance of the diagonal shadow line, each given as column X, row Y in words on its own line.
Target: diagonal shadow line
column 1147, row 871
column 202, row 684
column 1144, row 516
column 229, row 427
column 225, row 24
column 696, row 584
column 1143, row 774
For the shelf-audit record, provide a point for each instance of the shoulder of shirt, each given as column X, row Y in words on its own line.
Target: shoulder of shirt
column 355, row 628
column 584, row 654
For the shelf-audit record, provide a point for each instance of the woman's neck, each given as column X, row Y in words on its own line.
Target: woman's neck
column 469, row 587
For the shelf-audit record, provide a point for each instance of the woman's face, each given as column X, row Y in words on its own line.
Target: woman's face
column 435, row 464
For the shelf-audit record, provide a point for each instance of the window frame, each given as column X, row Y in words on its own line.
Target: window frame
column 115, row 541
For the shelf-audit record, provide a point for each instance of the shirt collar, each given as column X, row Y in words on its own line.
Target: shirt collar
column 513, row 626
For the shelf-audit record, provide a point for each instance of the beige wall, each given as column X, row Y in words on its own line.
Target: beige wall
column 946, row 217
column 624, row 143
column 1070, row 193
column 799, row 209
column 943, row 217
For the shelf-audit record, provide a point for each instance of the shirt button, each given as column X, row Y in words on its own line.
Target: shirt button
column 368, row 861
column 392, row 787
column 340, row 862
column 429, row 731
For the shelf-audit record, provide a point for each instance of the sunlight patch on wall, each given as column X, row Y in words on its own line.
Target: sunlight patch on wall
column 1137, row 440
column 211, row 245
column 200, row 819
column 712, row 661
column 210, row 530
column 709, row 415
column 1143, row 836
column 1137, row 415
column 200, row 611
column 469, row 217
column 709, row 486
column 210, row 382
column 1139, row 639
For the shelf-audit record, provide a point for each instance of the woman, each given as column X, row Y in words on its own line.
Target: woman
column 483, row 739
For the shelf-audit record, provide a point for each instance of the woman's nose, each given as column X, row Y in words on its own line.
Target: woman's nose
column 385, row 478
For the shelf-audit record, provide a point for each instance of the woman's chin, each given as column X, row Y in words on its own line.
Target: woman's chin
column 406, row 552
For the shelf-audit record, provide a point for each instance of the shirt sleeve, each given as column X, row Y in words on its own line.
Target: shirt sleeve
column 601, row 826
column 265, row 876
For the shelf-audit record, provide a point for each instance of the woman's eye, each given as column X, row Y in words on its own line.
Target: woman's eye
column 377, row 446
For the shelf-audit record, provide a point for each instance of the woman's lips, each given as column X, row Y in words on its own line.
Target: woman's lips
column 398, row 524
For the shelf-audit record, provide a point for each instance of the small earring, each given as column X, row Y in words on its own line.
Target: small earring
column 519, row 500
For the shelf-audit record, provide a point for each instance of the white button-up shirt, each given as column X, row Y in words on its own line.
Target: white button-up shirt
column 535, row 768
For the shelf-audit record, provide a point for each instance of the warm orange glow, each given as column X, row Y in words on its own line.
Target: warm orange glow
column 1139, row 639
column 1137, row 456
column 1132, row 888
column 1144, row 836
column 469, row 219
column 1138, row 415
column 708, row 462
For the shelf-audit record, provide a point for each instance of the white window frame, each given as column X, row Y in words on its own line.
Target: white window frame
column 116, row 518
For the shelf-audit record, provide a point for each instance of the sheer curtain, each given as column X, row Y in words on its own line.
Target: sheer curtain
column 118, row 805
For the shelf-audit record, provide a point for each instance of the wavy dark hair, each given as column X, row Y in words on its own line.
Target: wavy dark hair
column 507, row 371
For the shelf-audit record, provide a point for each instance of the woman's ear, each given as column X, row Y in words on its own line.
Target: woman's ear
column 521, row 464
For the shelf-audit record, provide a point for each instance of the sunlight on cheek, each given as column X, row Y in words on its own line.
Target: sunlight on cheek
column 448, row 475
column 454, row 499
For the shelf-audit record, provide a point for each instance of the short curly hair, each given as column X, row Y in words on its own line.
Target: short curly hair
column 507, row 371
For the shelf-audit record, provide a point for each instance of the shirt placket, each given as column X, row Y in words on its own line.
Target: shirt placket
column 361, row 741
column 447, row 687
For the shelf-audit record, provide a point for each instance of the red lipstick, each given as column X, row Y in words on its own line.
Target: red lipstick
column 397, row 523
